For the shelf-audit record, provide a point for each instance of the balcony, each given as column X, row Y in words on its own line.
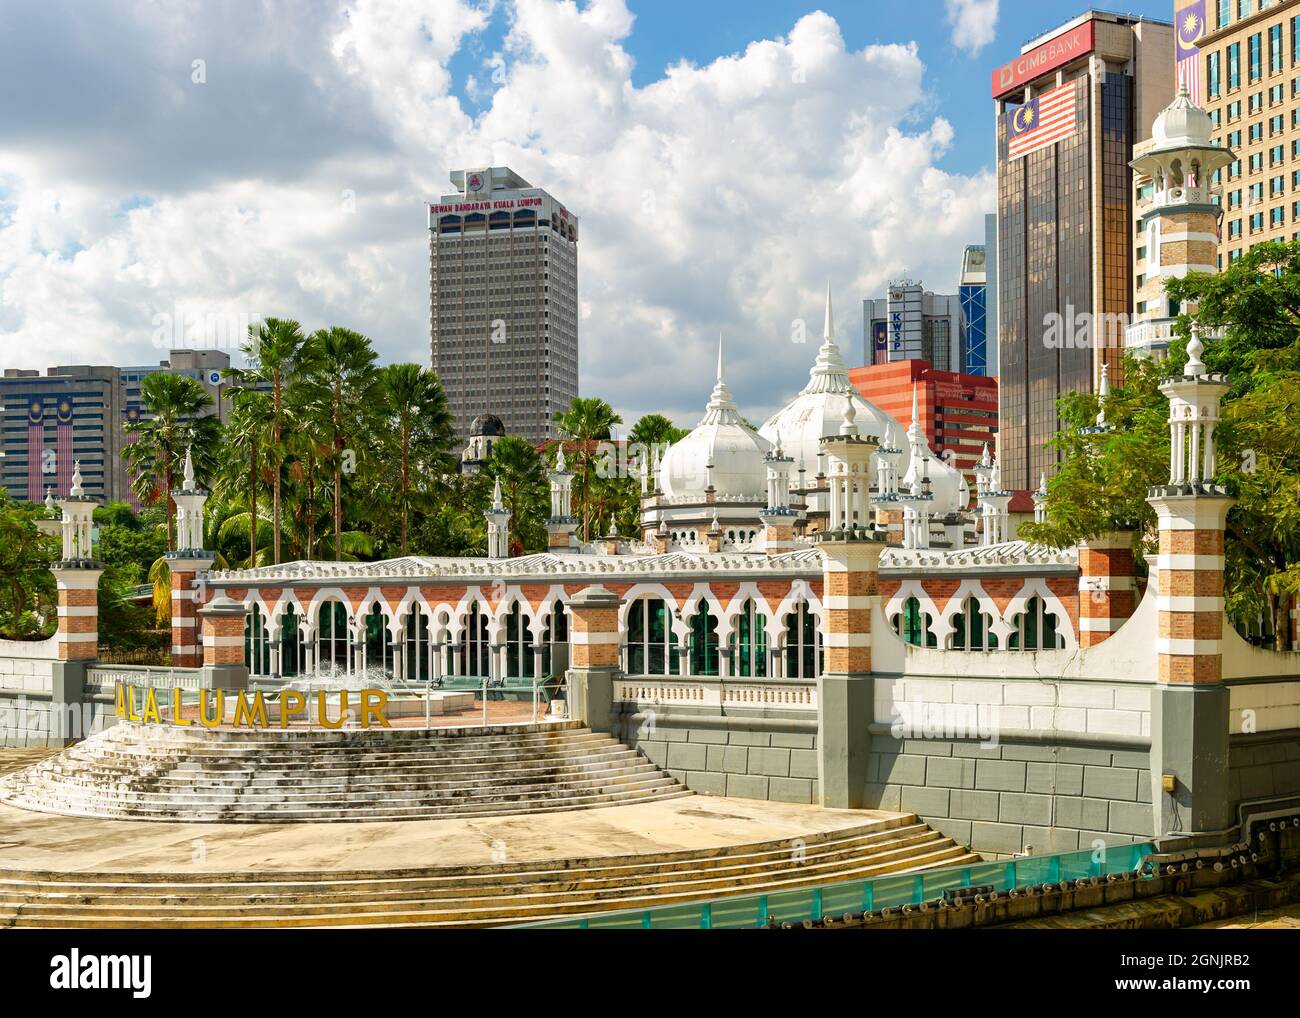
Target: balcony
column 1151, row 338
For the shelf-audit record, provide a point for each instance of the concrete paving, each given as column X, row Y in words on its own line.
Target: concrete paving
column 35, row 842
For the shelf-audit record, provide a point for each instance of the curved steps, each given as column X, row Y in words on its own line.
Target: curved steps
column 470, row 896
column 146, row 772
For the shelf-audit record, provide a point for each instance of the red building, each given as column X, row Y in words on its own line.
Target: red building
column 959, row 413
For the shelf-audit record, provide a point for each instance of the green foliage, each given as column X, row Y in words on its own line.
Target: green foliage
column 27, row 591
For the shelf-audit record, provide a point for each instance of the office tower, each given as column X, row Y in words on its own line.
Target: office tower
column 1249, row 63
column 76, row 412
column 1069, row 110
column 912, row 323
column 972, row 292
column 503, row 302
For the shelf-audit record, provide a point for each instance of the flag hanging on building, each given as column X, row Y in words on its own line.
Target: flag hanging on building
column 36, row 450
column 1189, row 27
column 1042, row 121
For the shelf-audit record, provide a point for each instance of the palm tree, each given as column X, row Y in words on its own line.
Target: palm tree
column 416, row 406
column 275, row 352
column 249, row 459
column 586, row 422
column 655, row 432
column 341, row 384
column 175, row 419
column 515, row 463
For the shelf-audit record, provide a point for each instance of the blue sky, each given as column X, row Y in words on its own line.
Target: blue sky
column 791, row 146
column 699, row 31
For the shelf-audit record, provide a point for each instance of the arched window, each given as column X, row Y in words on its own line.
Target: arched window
column 520, row 660
column 557, row 632
column 651, row 644
column 748, row 643
column 290, row 643
column 1035, row 628
column 416, row 645
column 473, row 651
column 379, row 640
column 971, row 628
column 803, row 644
column 913, row 625
column 704, row 642
column 257, row 643
column 332, row 635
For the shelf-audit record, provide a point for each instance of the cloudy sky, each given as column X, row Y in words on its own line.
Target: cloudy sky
column 206, row 161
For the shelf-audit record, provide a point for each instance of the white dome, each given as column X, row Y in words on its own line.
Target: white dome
column 819, row 410
column 1182, row 124
column 722, row 449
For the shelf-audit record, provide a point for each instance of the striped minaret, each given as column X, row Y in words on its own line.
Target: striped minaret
column 76, row 575
column 851, row 548
column 777, row 517
column 1190, row 706
column 594, row 656
column 1107, row 588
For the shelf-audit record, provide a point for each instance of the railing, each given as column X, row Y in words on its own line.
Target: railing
column 859, row 896
column 103, row 678
column 714, row 692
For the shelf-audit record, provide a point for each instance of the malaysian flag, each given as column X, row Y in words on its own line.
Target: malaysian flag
column 36, row 450
column 1189, row 26
column 63, row 446
column 1043, row 121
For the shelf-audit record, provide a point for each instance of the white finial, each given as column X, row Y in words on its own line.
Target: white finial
column 77, row 490
column 720, row 371
column 986, row 460
column 1195, row 366
column 849, row 427
column 49, row 500
column 828, row 325
column 559, row 460
column 1042, row 483
column 496, row 496
column 715, row 526
column 187, row 482
column 1103, row 390
column 663, row 525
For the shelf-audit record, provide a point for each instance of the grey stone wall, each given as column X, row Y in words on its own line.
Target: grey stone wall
column 1263, row 766
column 751, row 755
column 33, row 719
column 1002, row 799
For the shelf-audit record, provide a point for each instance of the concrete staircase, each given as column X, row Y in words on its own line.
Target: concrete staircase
column 469, row 896
column 158, row 772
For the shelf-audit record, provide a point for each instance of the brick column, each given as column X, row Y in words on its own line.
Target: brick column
column 223, row 623
column 78, row 632
column 1189, row 723
column 593, row 647
column 185, row 571
column 778, row 531
column 1107, row 587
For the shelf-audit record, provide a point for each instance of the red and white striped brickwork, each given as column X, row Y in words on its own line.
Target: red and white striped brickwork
column 1107, row 587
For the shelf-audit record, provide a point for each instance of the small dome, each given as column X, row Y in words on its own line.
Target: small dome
column 1182, row 124
column 487, row 425
column 722, row 450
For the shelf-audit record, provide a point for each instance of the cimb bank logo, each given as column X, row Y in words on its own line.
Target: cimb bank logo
column 77, row 971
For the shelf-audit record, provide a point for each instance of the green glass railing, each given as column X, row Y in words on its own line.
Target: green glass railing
column 857, row 896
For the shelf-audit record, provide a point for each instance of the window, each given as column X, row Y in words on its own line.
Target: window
column 291, row 656
column 1256, row 162
column 1212, row 74
column 803, row 651
column 1035, row 628
column 1274, row 95
column 1225, row 13
column 913, row 625
column 257, row 643
column 748, row 643
column 1234, row 198
column 1234, row 139
column 521, row 661
column 1234, row 110
column 1254, row 68
column 1234, row 228
column 379, row 641
column 1275, row 49
column 332, row 636
column 1256, row 102
column 1276, row 154
column 1295, row 45
column 651, row 645
column 971, row 628
column 1256, row 222
column 1256, row 193
column 1276, row 124
column 416, row 652
column 1234, row 66
column 1277, row 185
column 704, row 642
column 472, row 655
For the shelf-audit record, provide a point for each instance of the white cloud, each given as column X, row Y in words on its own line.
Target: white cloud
column 974, row 23
column 717, row 197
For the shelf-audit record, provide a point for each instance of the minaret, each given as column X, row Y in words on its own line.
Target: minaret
column 77, row 576
column 851, row 548
column 187, row 564
column 777, row 516
column 1190, row 704
column 498, row 524
column 561, row 524
column 1179, row 221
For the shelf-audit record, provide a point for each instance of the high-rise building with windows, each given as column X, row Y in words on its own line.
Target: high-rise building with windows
column 972, row 292
column 913, row 323
column 1069, row 109
column 1247, row 56
column 503, row 302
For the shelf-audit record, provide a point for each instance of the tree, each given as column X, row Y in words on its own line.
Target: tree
column 420, row 424
column 524, row 491
column 247, row 460
column 175, row 420
column 586, row 423
column 342, row 386
column 655, row 433
column 27, row 589
column 276, row 351
column 1103, row 476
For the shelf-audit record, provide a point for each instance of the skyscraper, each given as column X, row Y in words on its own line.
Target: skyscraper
column 913, row 323
column 972, row 291
column 1068, row 109
column 503, row 301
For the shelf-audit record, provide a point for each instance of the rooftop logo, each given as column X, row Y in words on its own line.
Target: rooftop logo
column 1050, row 55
